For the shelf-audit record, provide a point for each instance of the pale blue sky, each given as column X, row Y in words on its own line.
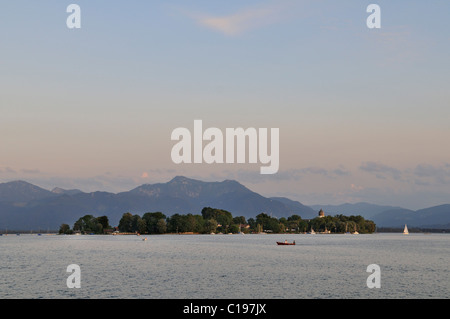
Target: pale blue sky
column 363, row 114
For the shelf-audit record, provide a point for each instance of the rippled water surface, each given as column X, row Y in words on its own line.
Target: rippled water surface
column 225, row 266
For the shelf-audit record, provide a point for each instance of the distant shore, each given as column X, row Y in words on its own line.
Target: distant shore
column 383, row 230
column 413, row 230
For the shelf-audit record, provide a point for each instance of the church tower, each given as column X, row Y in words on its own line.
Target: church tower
column 321, row 214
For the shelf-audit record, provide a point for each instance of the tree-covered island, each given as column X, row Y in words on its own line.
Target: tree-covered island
column 213, row 220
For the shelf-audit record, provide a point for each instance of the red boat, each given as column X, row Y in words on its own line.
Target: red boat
column 285, row 243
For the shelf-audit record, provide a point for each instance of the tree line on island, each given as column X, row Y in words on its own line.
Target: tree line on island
column 213, row 220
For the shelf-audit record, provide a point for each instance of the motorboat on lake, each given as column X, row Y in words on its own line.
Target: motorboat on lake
column 281, row 243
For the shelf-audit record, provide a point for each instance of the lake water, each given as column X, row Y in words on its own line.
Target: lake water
column 225, row 266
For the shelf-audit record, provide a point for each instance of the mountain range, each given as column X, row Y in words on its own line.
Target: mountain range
column 24, row 206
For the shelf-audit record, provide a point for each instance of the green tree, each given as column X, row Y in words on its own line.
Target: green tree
column 222, row 217
column 293, row 225
column 234, row 228
column 138, row 224
column 294, row 218
column 152, row 219
column 176, row 224
column 190, row 223
column 239, row 220
column 161, row 226
column 104, row 221
column 302, row 226
column 252, row 223
column 199, row 224
column 284, row 222
column 126, row 223
column 211, row 226
column 88, row 224
column 268, row 223
column 65, row 229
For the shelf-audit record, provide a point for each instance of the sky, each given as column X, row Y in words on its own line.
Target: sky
column 363, row 114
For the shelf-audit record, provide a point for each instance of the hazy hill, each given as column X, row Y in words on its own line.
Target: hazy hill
column 298, row 208
column 366, row 210
column 60, row 191
column 20, row 191
column 185, row 195
column 433, row 217
column 180, row 195
column 390, row 216
column 24, row 206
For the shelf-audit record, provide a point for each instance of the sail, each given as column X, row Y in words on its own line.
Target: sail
column 405, row 230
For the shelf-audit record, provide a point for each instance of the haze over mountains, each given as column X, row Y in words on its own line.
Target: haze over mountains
column 24, row 206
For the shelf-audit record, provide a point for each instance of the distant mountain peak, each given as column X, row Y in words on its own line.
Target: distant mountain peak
column 21, row 191
column 24, row 205
column 182, row 179
column 186, row 181
column 61, row 191
column 58, row 190
column 17, row 183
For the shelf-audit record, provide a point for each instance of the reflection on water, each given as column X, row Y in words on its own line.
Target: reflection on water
column 225, row 266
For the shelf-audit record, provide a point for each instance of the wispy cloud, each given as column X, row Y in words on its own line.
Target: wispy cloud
column 381, row 171
column 293, row 175
column 431, row 173
column 30, row 171
column 244, row 19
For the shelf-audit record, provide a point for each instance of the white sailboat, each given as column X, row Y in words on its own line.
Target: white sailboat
column 405, row 230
